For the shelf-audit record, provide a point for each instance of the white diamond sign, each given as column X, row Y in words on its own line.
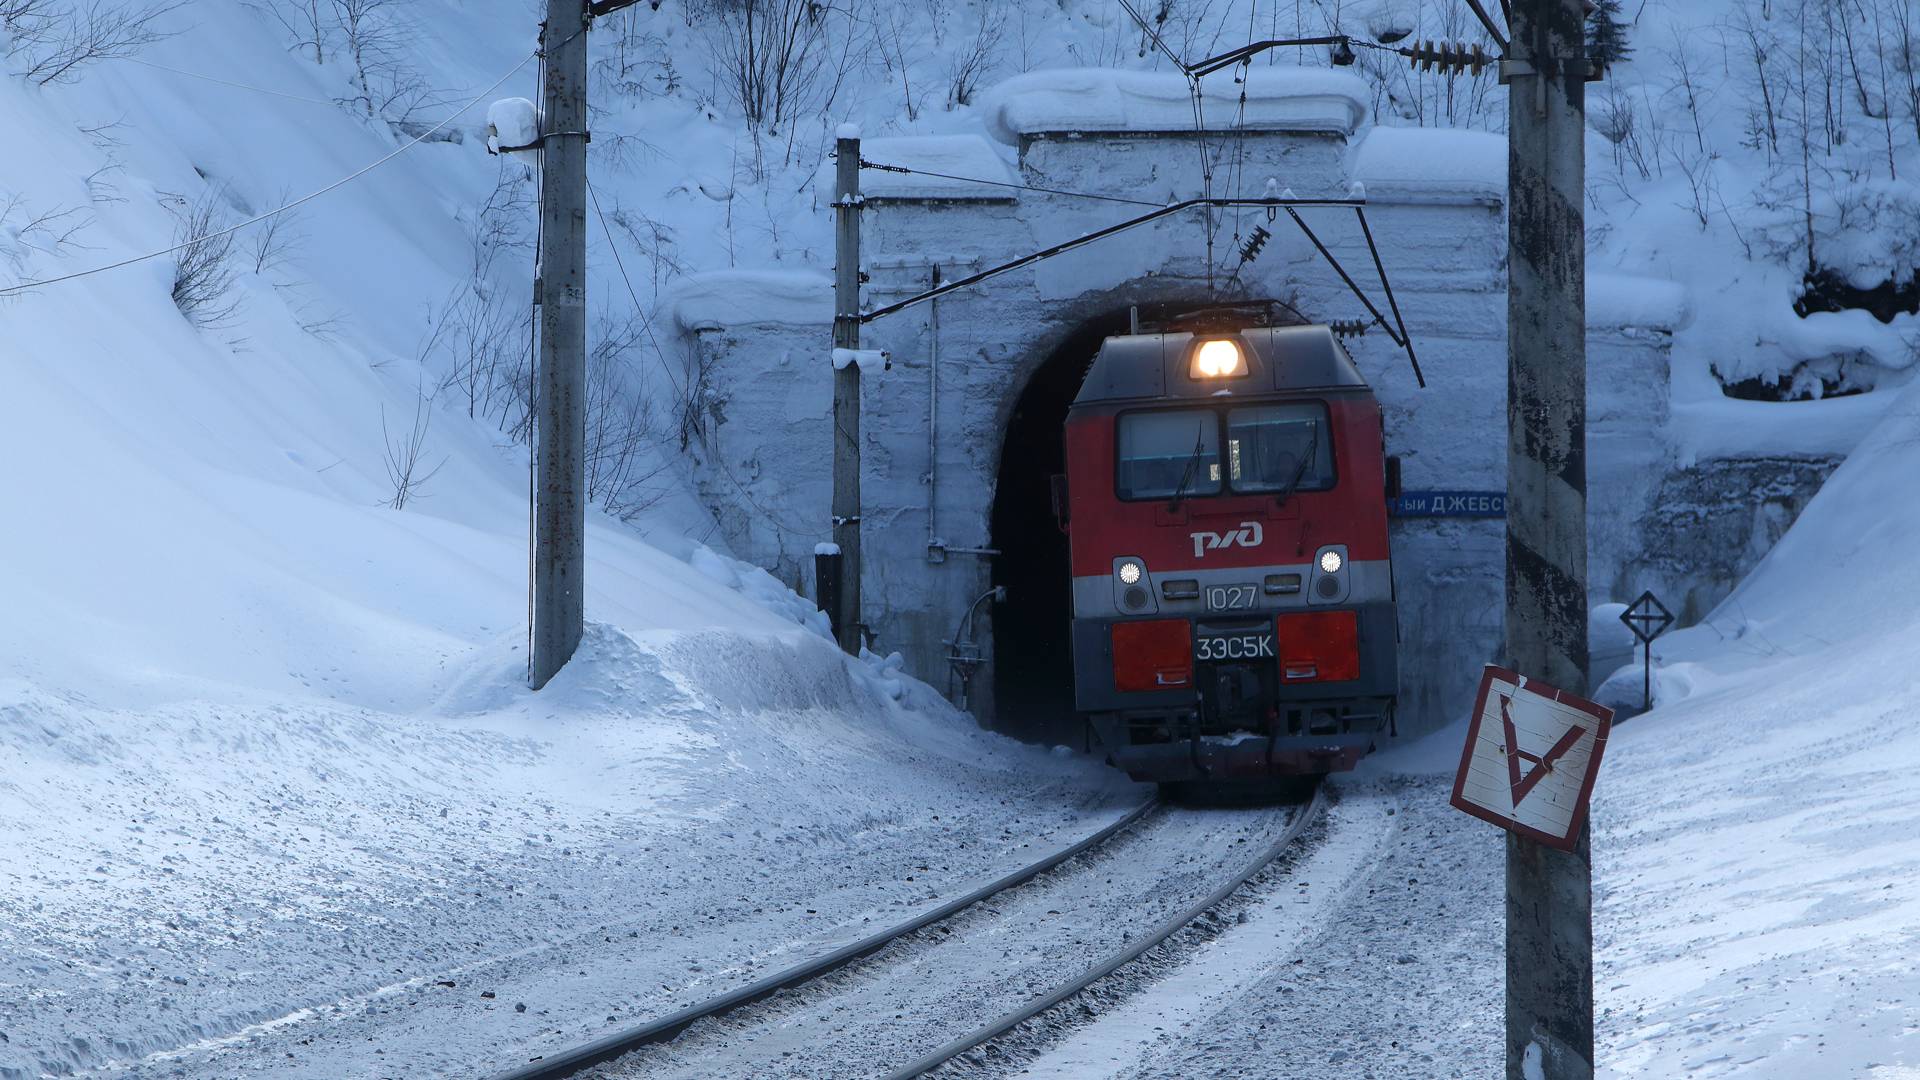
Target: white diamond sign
column 1531, row 755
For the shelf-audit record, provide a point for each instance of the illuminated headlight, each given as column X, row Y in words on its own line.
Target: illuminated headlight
column 1330, row 562
column 1130, row 572
column 1218, row 359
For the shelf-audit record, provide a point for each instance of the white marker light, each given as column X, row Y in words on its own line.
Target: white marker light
column 1330, row 562
column 1218, row 359
column 1130, row 573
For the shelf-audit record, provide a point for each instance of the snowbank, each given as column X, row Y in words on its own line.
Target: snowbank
column 1112, row 100
column 749, row 297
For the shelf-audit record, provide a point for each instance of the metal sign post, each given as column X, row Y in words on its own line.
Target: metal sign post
column 1648, row 618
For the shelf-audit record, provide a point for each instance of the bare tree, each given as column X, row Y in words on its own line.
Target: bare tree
column 895, row 34
column 1687, row 86
column 1905, row 45
column 403, row 452
column 203, row 267
column 308, row 21
column 977, row 59
column 654, row 239
column 630, row 57
column 1886, row 92
column 619, row 420
column 276, row 239
column 58, row 40
column 26, row 20
column 503, row 222
column 1761, row 44
column 766, row 52
column 53, row 231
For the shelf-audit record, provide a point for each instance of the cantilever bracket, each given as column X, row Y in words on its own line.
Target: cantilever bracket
column 1594, row 70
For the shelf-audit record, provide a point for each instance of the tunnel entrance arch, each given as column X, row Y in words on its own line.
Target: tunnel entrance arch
column 1032, row 660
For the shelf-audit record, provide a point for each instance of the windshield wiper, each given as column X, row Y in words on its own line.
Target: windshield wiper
column 1313, row 447
column 1193, row 462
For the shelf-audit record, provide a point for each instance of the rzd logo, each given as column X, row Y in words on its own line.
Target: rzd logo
column 1247, row 535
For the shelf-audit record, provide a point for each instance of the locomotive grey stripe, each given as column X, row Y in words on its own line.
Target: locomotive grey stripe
column 1094, row 595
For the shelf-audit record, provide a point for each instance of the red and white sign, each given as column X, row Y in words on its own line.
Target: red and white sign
column 1531, row 755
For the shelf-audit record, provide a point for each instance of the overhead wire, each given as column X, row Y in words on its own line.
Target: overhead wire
column 257, row 218
column 330, row 103
column 646, row 317
column 682, row 395
column 865, row 164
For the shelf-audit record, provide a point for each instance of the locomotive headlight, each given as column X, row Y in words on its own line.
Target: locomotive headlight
column 1130, row 572
column 1220, row 358
column 1330, row 562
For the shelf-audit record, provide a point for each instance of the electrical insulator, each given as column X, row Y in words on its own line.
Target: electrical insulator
column 1255, row 241
column 1348, row 328
column 1449, row 57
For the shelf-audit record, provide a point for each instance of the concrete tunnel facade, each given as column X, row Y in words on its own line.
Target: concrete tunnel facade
column 972, row 373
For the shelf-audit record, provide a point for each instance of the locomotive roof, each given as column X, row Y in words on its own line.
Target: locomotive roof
column 1279, row 358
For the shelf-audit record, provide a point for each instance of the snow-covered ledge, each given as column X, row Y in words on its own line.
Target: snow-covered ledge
column 1431, row 165
column 723, row 298
column 1093, row 100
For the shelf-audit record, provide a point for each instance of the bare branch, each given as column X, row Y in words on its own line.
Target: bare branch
column 57, row 46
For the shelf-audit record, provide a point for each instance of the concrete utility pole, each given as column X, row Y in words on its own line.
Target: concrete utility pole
column 1549, row 892
column 846, row 386
column 560, row 491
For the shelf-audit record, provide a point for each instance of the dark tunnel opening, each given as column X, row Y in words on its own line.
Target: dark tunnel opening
column 1032, row 661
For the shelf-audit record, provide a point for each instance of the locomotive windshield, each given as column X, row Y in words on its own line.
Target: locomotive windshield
column 1176, row 453
column 1169, row 453
column 1280, row 447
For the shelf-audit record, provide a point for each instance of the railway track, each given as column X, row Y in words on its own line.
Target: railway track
column 573, row 1062
column 663, row 1030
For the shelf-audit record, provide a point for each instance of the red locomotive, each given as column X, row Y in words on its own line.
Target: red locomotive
column 1233, row 598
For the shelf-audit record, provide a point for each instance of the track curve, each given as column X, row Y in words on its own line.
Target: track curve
column 1114, row 962
column 572, row 1062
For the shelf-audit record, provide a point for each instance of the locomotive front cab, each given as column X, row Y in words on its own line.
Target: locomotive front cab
column 1233, row 610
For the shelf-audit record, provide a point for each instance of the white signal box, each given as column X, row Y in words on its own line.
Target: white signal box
column 1531, row 755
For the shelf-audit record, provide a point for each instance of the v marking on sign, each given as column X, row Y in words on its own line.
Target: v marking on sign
column 1521, row 785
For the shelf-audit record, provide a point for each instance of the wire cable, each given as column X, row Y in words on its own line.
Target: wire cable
column 681, row 394
column 229, row 82
column 865, row 164
column 257, row 218
column 646, row 317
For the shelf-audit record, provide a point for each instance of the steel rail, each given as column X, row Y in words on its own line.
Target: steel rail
column 665, row 1028
column 1307, row 816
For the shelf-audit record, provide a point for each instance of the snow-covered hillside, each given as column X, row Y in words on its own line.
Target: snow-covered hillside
column 1754, row 848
